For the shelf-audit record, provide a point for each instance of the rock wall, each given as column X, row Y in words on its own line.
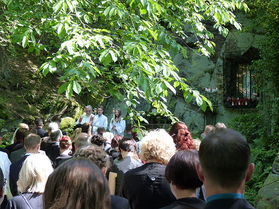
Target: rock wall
column 206, row 75
column 268, row 196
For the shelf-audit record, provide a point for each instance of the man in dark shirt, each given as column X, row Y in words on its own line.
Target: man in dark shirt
column 224, row 168
column 39, row 128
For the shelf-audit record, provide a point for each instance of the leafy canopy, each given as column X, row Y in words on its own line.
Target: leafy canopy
column 120, row 48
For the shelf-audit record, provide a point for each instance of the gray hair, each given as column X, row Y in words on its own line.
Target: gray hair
column 88, row 106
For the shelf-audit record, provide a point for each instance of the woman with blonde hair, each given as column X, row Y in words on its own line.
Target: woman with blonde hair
column 146, row 186
column 31, row 183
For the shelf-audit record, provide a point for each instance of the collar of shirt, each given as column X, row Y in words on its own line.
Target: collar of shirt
column 225, row 196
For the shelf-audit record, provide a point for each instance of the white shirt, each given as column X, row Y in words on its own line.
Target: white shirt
column 85, row 119
column 119, row 126
column 99, row 121
column 5, row 166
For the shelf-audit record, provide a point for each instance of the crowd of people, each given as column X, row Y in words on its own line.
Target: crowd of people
column 101, row 167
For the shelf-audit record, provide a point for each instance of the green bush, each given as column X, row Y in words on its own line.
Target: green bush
column 67, row 124
column 263, row 149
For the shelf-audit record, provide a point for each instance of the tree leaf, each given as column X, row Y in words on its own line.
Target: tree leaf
column 76, row 87
column 25, row 40
column 113, row 55
column 63, row 88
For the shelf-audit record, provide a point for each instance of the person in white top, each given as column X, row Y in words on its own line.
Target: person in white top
column 99, row 120
column 117, row 124
column 87, row 118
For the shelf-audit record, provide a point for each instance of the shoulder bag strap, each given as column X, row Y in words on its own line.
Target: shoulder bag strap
column 27, row 202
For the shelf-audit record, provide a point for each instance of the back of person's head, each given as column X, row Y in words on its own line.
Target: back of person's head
column 157, row 145
column 55, row 135
column 34, row 173
column 128, row 145
column 220, row 125
column 181, row 170
column 85, row 127
column 208, row 128
column 23, row 126
column 175, row 127
column 98, row 140
column 39, row 122
column 82, row 140
column 101, row 130
column 181, row 136
column 95, row 154
column 65, row 143
column 77, row 184
column 115, row 140
column 32, row 141
column 224, row 157
column 53, row 126
column 21, row 134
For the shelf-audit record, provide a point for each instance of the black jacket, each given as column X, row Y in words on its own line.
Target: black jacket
column 146, row 187
column 186, row 203
column 229, row 204
column 119, row 203
column 14, row 174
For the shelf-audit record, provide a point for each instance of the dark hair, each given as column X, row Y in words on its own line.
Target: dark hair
column 85, row 127
column 181, row 170
column 95, row 154
column 2, row 180
column 225, row 156
column 65, row 142
column 97, row 140
column 115, row 140
column 39, row 122
column 77, row 184
column 128, row 145
column 101, row 130
column 21, row 134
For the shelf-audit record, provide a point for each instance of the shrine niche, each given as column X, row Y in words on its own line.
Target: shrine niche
column 239, row 81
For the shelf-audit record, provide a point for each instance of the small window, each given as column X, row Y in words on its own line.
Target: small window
column 239, row 81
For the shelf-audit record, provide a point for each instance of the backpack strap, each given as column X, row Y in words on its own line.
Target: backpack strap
column 26, row 201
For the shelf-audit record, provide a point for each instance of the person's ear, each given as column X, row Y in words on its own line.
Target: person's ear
column 250, row 171
column 200, row 172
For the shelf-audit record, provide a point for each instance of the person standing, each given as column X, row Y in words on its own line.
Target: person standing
column 225, row 166
column 99, row 120
column 87, row 118
column 117, row 124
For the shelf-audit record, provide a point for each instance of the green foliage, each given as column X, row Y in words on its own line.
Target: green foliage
column 263, row 149
column 67, row 124
column 119, row 48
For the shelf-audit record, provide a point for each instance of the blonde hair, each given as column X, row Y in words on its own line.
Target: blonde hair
column 157, row 145
column 34, row 174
